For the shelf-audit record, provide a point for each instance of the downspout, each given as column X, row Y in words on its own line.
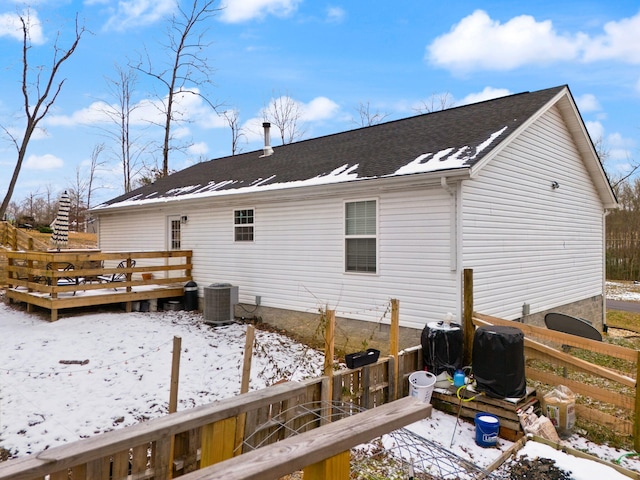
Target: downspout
column 605, row 213
column 453, row 209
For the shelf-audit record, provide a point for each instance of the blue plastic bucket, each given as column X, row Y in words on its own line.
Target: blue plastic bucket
column 487, row 428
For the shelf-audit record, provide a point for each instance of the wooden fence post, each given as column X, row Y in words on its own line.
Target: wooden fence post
column 337, row 467
column 636, row 416
column 394, row 346
column 329, row 347
column 467, row 327
column 244, row 386
column 175, row 374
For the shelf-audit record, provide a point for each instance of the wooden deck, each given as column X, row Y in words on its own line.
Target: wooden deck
column 38, row 279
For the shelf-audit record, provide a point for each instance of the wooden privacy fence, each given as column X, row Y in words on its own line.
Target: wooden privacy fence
column 190, row 440
column 19, row 239
column 592, row 382
column 44, row 279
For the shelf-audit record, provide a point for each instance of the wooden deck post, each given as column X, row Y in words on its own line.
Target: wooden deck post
column 468, row 328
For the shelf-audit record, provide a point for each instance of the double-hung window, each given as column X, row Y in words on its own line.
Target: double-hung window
column 361, row 219
column 243, row 225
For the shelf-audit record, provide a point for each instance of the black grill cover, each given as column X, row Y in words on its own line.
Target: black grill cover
column 498, row 361
column 442, row 347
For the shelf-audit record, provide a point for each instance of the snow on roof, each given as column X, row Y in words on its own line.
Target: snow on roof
column 448, row 140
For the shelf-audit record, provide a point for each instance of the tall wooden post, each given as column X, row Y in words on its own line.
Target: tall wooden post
column 394, row 341
column 175, row 374
column 336, row 467
column 329, row 349
column 468, row 329
column 244, row 386
column 636, row 416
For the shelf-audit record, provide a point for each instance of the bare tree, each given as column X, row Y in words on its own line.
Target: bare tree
column 233, row 120
column 78, row 189
column 39, row 93
column 284, row 113
column 93, row 167
column 121, row 88
column 187, row 70
column 617, row 180
column 435, row 103
column 367, row 117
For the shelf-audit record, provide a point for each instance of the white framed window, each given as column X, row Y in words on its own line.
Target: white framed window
column 361, row 236
column 173, row 233
column 243, row 225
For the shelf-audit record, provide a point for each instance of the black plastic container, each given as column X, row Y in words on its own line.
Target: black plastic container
column 442, row 347
column 360, row 359
column 498, row 361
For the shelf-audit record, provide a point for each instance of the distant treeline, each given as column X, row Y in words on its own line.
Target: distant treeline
column 623, row 234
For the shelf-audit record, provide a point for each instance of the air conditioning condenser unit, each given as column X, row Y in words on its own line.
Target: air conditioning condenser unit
column 219, row 302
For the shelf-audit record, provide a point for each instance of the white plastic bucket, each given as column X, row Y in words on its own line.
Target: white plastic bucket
column 421, row 385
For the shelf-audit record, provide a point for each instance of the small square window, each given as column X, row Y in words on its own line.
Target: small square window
column 243, row 225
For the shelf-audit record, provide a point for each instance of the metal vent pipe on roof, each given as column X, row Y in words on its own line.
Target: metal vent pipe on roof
column 267, row 150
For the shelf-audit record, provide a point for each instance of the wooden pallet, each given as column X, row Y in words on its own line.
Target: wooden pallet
column 506, row 410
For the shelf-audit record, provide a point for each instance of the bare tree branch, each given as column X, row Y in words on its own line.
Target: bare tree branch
column 35, row 111
column 367, row 117
column 188, row 67
column 285, row 114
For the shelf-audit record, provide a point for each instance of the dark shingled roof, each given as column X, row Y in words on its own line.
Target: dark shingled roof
column 375, row 151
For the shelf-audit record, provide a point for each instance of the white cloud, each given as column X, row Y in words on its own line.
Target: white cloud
column 235, row 11
column 596, row 130
column 320, row 108
column 95, row 113
column 188, row 106
column 10, row 26
column 199, row 149
column 615, row 146
column 478, row 42
column 336, row 14
column 43, row 162
column 488, row 93
column 134, row 13
column 620, row 41
column 588, row 103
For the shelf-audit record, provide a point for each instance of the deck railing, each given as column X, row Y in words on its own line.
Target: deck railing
column 68, row 279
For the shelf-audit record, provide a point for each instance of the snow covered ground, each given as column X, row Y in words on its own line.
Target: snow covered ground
column 120, row 375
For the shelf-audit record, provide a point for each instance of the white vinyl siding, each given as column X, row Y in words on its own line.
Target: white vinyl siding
column 297, row 261
column 525, row 241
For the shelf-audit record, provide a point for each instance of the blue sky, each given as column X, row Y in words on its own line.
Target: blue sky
column 327, row 57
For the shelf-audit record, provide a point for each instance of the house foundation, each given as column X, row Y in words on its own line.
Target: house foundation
column 590, row 309
column 356, row 335
column 350, row 335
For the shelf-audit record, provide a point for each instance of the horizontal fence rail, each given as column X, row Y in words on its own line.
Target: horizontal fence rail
column 625, row 397
column 57, row 280
column 189, row 440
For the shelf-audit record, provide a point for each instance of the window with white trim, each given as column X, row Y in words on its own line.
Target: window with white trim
column 243, row 225
column 361, row 219
column 174, row 233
